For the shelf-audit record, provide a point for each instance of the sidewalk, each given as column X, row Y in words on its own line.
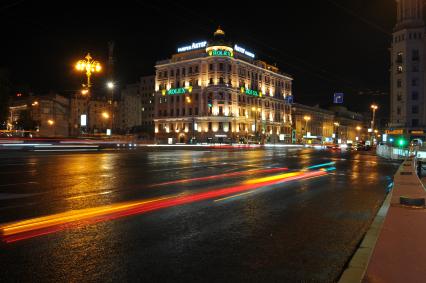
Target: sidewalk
column 400, row 252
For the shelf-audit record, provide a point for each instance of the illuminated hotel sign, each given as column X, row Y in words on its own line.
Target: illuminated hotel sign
column 181, row 90
column 221, row 52
column 243, row 51
column 251, row 92
column 193, row 46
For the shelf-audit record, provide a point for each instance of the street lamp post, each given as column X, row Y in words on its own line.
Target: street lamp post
column 307, row 119
column 256, row 111
column 358, row 128
column 89, row 66
column 373, row 108
column 336, row 139
column 189, row 101
column 111, row 86
column 105, row 116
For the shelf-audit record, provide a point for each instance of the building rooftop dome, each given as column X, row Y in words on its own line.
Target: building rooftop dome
column 219, row 32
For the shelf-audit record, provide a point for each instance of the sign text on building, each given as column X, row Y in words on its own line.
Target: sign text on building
column 180, row 90
column 194, row 45
column 243, row 51
column 221, row 52
column 251, row 92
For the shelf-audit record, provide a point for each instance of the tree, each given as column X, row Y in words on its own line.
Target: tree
column 5, row 89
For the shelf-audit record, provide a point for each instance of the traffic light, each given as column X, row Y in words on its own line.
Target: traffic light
column 402, row 142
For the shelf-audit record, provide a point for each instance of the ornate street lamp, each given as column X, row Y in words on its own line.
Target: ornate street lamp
column 90, row 66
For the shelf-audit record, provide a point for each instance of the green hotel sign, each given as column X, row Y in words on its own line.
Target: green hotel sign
column 221, row 52
column 251, row 92
column 181, row 90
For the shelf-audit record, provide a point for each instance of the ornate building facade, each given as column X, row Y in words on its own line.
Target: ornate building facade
column 219, row 92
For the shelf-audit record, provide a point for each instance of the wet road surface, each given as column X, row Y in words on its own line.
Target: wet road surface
column 196, row 216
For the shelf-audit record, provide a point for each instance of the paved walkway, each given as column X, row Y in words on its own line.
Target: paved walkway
column 400, row 251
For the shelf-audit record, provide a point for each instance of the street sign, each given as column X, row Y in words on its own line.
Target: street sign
column 338, row 98
column 83, row 120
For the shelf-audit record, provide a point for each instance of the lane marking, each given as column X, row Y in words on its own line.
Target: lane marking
column 234, row 196
column 89, row 195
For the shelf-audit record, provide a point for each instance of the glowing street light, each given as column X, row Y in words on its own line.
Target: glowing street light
column 336, row 135
column 105, row 115
column 84, row 91
column 358, row 128
column 110, row 85
column 90, row 66
column 307, row 119
column 50, row 122
column 374, row 107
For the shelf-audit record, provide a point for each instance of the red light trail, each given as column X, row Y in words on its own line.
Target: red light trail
column 31, row 228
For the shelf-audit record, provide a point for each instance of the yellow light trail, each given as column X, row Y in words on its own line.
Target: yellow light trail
column 70, row 216
column 273, row 178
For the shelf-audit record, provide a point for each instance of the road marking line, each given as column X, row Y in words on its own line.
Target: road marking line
column 234, row 196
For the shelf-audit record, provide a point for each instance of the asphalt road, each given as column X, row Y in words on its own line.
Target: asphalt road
column 192, row 216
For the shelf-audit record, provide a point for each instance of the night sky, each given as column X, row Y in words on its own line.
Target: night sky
column 326, row 45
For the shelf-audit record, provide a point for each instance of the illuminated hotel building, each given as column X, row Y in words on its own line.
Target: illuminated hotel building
column 219, row 92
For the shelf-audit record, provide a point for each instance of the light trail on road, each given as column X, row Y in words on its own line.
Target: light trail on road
column 233, row 174
column 57, row 222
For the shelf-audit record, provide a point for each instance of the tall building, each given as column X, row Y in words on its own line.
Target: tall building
column 147, row 93
column 219, row 92
column 129, row 108
column 312, row 124
column 408, row 51
column 90, row 115
column 49, row 114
